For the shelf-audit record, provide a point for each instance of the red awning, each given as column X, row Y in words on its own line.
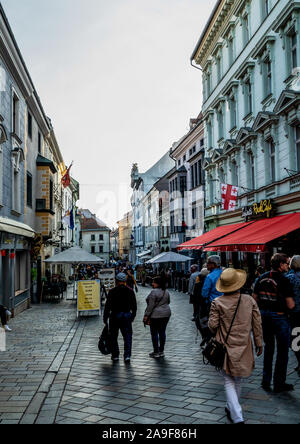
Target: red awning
column 254, row 237
column 217, row 233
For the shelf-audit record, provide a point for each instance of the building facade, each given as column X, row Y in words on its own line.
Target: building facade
column 250, row 52
column 186, row 185
column 141, row 184
column 125, row 237
column 95, row 235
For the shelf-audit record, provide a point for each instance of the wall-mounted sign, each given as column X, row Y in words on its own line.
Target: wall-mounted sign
column 263, row 209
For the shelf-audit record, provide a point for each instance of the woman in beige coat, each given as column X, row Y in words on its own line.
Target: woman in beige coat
column 239, row 361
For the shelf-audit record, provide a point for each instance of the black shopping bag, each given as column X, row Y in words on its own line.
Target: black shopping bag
column 104, row 342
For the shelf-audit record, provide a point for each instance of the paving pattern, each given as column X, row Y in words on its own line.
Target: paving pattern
column 52, row 372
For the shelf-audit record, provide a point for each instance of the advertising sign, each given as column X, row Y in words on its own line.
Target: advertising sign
column 88, row 296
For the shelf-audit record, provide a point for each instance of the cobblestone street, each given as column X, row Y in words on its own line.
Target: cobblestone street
column 52, row 372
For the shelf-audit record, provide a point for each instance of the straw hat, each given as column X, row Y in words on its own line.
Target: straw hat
column 231, row 280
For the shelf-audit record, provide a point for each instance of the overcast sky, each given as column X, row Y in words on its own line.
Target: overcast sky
column 116, row 80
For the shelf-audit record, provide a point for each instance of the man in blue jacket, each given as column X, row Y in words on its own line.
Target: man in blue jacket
column 209, row 291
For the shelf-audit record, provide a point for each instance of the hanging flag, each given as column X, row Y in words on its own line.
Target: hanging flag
column 66, row 180
column 229, row 197
column 66, row 220
column 71, row 226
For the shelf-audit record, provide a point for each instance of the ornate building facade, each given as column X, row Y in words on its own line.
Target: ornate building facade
column 249, row 52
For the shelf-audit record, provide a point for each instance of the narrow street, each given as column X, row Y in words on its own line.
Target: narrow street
column 52, row 372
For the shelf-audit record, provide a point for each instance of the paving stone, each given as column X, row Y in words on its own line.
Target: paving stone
column 176, row 390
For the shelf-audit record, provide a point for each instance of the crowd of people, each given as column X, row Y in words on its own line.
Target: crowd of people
column 224, row 311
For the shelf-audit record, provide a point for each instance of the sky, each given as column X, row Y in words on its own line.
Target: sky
column 115, row 79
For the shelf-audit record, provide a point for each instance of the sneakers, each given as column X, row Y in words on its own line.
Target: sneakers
column 6, row 328
column 114, row 359
column 283, row 388
column 161, row 355
column 127, row 360
column 154, row 355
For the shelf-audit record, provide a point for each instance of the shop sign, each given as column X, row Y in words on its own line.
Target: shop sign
column 264, row 209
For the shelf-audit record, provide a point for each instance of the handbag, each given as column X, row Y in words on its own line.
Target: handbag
column 147, row 319
column 214, row 352
column 104, row 344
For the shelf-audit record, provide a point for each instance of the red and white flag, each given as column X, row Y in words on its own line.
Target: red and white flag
column 229, row 197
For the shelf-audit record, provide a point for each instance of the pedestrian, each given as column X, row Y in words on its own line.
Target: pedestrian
column 239, row 359
column 258, row 272
column 294, row 278
column 4, row 316
column 192, row 281
column 209, row 291
column 274, row 295
column 120, row 311
column 158, row 313
column 131, row 282
column 201, row 308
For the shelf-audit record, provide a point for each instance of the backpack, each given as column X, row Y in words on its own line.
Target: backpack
column 268, row 289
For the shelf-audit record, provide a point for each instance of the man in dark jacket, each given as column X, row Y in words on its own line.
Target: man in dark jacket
column 120, row 310
column 274, row 295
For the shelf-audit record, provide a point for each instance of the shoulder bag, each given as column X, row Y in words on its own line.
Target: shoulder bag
column 214, row 352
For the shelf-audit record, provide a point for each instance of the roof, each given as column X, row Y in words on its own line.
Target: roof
column 206, row 29
column 92, row 224
column 43, row 161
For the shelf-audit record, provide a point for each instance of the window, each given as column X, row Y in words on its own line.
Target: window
column 248, row 97
column 93, row 250
column 16, row 115
column 101, row 249
column 184, row 158
column 235, row 174
column 29, row 125
column 29, row 189
column 51, row 195
column 209, row 134
column 246, row 29
column 266, row 8
column 196, row 171
column 219, row 69
column 251, row 171
column 233, row 112
column 297, row 140
column 271, row 149
column 221, row 124
column 230, row 51
column 183, row 187
column 39, row 143
column 267, row 73
column 101, row 237
column 293, row 43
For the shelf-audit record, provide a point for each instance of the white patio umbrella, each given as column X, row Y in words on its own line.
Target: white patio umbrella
column 75, row 256
column 169, row 257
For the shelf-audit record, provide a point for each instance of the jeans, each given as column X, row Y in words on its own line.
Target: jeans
column 233, row 393
column 295, row 322
column 275, row 327
column 158, row 333
column 123, row 322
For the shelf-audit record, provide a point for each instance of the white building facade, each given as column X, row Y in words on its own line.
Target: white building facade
column 250, row 54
